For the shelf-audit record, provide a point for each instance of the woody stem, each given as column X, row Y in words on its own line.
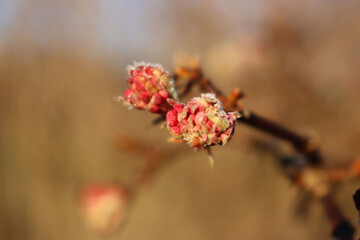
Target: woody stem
column 300, row 143
column 341, row 227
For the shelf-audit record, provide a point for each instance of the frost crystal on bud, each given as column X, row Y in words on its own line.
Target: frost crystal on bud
column 202, row 122
column 150, row 87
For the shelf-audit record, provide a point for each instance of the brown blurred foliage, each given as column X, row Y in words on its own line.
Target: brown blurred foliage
column 298, row 65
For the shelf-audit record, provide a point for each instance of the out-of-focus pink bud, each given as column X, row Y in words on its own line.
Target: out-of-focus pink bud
column 104, row 206
column 202, row 122
column 150, row 88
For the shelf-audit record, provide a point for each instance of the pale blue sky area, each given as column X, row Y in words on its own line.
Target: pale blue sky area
column 138, row 24
column 119, row 22
column 134, row 26
column 7, row 9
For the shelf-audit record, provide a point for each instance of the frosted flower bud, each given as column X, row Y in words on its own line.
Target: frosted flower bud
column 104, row 206
column 202, row 122
column 150, row 87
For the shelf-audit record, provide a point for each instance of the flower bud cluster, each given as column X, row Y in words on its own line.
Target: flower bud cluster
column 202, row 122
column 104, row 206
column 150, row 87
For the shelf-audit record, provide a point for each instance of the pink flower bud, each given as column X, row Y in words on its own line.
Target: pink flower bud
column 150, row 88
column 104, row 206
column 202, row 122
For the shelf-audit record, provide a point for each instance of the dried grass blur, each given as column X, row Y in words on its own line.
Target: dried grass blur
column 58, row 120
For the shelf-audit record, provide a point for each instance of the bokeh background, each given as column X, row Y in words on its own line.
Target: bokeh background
column 62, row 62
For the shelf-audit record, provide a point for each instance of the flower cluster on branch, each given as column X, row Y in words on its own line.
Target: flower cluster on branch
column 202, row 122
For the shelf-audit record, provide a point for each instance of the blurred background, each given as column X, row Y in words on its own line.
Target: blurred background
column 62, row 63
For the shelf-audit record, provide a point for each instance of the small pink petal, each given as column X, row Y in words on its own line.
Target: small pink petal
column 171, row 118
column 179, row 107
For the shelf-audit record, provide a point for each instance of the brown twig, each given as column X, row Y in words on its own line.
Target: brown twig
column 341, row 227
column 300, row 143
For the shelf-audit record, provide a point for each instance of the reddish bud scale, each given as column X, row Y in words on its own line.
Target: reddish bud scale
column 202, row 122
column 150, row 88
